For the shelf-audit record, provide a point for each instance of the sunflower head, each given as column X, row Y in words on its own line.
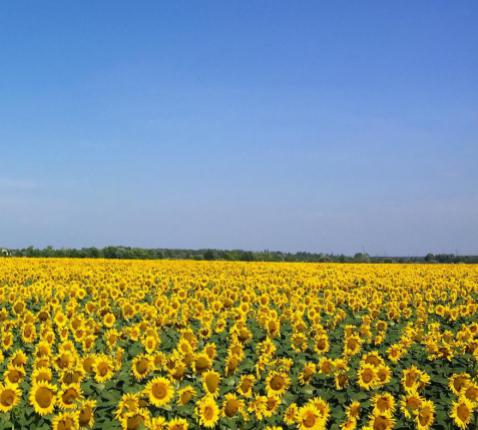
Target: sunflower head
column 10, row 396
column 159, row 391
column 43, row 397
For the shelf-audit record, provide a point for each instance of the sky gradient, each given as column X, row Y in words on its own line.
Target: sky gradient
column 338, row 127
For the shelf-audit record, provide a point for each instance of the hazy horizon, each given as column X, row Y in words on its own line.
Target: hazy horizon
column 335, row 128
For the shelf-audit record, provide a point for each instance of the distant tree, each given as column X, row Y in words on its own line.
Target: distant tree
column 361, row 257
column 209, row 255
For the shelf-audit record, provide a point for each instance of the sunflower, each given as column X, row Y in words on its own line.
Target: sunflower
column 349, row 424
column 366, row 376
column 69, row 395
column 325, row 366
column 202, row 362
column 42, row 397
column 128, row 403
column 135, row 420
column 382, row 422
column 373, row 358
column 321, row 344
column 19, row 358
column 65, row 421
column 109, row 320
column 186, row 394
column 150, row 343
column 103, row 367
column 410, row 404
column 290, row 414
column 426, row 415
column 277, row 383
column 10, row 396
column 42, row 374
column 86, row 417
column 207, row 411
column 384, row 374
column 309, row 418
column 157, row 423
column 246, row 383
column 178, row 424
column 458, row 381
column 14, row 374
column 142, row 366
column 211, row 381
column 471, row 393
column 462, row 412
column 352, row 345
column 272, row 403
column 258, row 406
column 7, row 340
column 232, row 406
column 383, row 404
column 160, row 391
column 353, row 410
column 395, row 352
column 307, row 373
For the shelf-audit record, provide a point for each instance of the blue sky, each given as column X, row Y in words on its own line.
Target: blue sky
column 335, row 127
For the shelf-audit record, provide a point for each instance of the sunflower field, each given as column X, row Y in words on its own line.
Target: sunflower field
column 176, row 345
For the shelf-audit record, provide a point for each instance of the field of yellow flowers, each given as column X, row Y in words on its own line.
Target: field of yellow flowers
column 179, row 345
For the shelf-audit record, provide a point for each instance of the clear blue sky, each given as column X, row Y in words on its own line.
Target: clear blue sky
column 335, row 127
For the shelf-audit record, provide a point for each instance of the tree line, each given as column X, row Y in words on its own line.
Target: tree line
column 133, row 253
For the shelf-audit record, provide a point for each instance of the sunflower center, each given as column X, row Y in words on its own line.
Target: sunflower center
column 231, row 408
column 380, row 423
column 208, row 412
column 211, row 384
column 463, row 412
column 142, row 366
column 159, row 391
column 382, row 404
column 69, row 396
column 103, row 369
column 309, row 420
column 367, row 377
column 7, row 397
column 85, row 416
column 277, row 382
column 44, row 397
column 134, row 422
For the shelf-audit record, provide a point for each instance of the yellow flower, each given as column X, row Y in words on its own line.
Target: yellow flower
column 42, row 397
column 134, row 420
column 426, row 415
column 103, row 367
column 178, row 424
column 86, row 417
column 290, row 414
column 66, row 421
column 207, row 411
column 246, row 383
column 382, row 422
column 186, row 394
column 309, row 418
column 158, row 423
column 141, row 366
column 232, row 405
column 69, row 396
column 211, row 381
column 410, row 404
column 160, row 391
column 366, row 376
column 383, row 404
column 458, row 381
column 277, row 383
column 10, row 396
column 462, row 412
